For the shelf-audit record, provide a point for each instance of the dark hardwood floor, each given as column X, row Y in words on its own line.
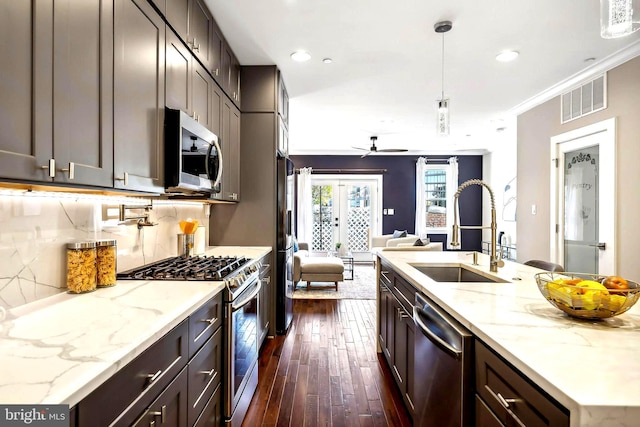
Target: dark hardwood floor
column 326, row 372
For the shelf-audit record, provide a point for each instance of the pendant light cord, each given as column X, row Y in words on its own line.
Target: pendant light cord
column 442, row 67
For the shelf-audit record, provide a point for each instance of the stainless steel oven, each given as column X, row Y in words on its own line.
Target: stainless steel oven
column 241, row 351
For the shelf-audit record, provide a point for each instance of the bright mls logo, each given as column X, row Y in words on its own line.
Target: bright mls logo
column 34, row 415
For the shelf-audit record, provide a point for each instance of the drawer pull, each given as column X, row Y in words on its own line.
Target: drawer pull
column 209, row 373
column 209, row 321
column 153, row 377
column 152, row 423
column 162, row 414
column 505, row 402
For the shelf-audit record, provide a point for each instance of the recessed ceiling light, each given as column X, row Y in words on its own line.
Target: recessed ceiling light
column 507, row 55
column 327, row 60
column 300, row 56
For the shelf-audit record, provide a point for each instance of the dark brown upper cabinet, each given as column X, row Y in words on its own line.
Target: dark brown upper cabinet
column 56, row 99
column 217, row 47
column 179, row 74
column 230, row 144
column 139, row 96
column 231, row 74
column 193, row 22
column 189, row 87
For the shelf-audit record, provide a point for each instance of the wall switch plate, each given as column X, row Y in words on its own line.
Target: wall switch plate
column 390, row 211
column 384, row 211
column 534, row 209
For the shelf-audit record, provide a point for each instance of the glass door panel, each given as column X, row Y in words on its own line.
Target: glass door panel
column 324, row 212
column 345, row 210
column 581, row 213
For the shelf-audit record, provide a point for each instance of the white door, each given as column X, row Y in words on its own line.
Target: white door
column 583, row 220
column 346, row 210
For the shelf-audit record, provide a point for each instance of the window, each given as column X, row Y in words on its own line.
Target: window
column 435, row 182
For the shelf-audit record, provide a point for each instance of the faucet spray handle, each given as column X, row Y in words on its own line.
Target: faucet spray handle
column 454, row 236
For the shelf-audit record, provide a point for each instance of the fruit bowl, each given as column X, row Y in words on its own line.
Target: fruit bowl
column 583, row 295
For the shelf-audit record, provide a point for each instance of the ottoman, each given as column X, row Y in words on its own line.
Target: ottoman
column 321, row 269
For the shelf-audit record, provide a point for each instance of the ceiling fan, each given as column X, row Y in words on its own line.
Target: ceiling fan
column 374, row 149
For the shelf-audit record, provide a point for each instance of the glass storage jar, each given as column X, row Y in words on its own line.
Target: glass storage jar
column 106, row 260
column 81, row 267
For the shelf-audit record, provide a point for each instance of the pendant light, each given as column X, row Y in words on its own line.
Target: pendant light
column 619, row 18
column 442, row 123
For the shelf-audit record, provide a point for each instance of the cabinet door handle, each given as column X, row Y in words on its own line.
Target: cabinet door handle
column 209, row 321
column 51, row 167
column 153, row 377
column 505, row 402
column 217, row 72
column 125, row 179
column 401, row 313
column 195, row 47
column 162, row 414
column 71, row 169
column 209, row 373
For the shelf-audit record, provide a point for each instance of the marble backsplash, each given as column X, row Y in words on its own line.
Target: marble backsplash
column 34, row 231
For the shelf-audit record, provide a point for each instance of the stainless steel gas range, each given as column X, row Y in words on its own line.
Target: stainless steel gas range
column 241, row 301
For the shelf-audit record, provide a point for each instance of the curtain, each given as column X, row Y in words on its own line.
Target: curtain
column 452, row 187
column 421, row 203
column 305, row 206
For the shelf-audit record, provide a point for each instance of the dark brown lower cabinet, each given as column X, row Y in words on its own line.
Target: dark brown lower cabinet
column 397, row 332
column 205, row 373
column 510, row 397
column 484, row 416
column 503, row 395
column 122, row 398
column 170, row 408
column 212, row 413
column 174, row 383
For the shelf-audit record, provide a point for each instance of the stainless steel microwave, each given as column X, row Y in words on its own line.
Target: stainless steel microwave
column 193, row 158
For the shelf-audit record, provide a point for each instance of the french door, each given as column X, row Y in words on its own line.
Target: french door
column 346, row 211
column 583, row 197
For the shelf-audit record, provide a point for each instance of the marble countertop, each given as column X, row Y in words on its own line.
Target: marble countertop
column 590, row 367
column 59, row 349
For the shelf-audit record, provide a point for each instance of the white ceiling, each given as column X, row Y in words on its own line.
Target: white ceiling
column 386, row 71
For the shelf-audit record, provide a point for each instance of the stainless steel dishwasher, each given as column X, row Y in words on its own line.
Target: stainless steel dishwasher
column 443, row 370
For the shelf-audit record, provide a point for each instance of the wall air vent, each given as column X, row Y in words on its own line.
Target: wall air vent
column 585, row 99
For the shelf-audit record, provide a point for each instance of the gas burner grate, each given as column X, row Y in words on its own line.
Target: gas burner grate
column 191, row 268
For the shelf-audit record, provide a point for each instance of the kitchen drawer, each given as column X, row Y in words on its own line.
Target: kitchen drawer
column 212, row 413
column 124, row 396
column 386, row 276
column 205, row 372
column 511, row 396
column 204, row 322
column 405, row 293
column 169, row 409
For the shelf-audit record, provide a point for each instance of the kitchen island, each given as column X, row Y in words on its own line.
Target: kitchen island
column 590, row 367
column 59, row 349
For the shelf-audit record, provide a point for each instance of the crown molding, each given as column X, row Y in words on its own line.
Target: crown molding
column 615, row 59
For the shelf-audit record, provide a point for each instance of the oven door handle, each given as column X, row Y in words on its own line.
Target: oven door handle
column 214, row 144
column 237, row 305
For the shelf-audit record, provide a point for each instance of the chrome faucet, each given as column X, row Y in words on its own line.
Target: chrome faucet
column 495, row 260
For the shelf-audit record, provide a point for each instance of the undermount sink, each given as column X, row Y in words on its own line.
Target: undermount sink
column 454, row 273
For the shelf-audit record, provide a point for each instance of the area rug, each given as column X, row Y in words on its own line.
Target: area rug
column 363, row 286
